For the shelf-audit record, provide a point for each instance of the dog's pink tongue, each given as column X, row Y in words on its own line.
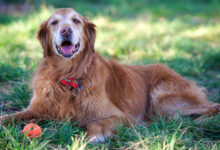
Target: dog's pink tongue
column 67, row 49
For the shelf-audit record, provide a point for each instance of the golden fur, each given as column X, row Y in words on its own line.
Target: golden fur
column 111, row 92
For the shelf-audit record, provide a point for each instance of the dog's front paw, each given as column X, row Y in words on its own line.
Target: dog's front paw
column 96, row 139
column 215, row 109
column 218, row 108
column 1, row 120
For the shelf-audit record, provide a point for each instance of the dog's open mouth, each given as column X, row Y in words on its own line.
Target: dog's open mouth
column 67, row 49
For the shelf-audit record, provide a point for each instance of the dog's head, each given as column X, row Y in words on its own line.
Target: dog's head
column 66, row 33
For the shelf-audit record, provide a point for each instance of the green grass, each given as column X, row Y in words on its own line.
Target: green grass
column 183, row 34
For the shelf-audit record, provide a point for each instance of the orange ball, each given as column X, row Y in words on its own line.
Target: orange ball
column 32, row 130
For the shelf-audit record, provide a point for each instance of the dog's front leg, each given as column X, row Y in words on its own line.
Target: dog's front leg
column 98, row 131
column 26, row 115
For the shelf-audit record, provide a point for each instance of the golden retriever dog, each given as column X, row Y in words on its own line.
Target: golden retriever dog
column 73, row 81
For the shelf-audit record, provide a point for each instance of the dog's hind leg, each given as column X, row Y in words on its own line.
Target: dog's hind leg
column 168, row 99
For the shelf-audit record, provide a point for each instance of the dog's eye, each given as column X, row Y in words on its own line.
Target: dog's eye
column 76, row 20
column 54, row 22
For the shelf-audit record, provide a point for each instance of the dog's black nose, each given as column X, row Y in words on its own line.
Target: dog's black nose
column 66, row 32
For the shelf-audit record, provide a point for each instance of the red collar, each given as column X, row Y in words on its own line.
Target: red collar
column 72, row 83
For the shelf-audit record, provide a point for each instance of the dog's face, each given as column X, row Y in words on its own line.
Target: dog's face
column 66, row 33
column 66, row 30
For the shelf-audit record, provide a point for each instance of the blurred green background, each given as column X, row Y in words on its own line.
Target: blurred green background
column 184, row 34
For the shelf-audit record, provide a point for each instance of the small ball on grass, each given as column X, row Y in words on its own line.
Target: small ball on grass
column 32, row 130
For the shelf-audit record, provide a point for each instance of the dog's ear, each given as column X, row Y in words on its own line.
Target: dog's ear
column 91, row 34
column 42, row 36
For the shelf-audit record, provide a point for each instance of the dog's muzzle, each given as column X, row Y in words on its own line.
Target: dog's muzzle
column 67, row 49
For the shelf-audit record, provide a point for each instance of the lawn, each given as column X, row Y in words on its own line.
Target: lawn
column 182, row 34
